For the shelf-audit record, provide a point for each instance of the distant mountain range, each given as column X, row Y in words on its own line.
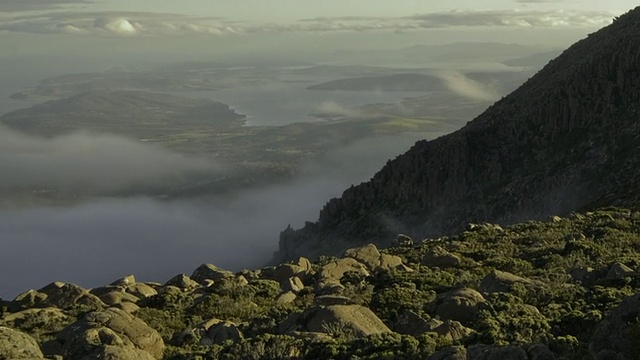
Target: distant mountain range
column 568, row 139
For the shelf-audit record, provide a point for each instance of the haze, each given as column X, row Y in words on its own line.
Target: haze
column 95, row 188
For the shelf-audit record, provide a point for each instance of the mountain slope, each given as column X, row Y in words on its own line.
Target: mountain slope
column 565, row 140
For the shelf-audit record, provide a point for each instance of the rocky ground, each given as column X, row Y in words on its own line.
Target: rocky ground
column 567, row 288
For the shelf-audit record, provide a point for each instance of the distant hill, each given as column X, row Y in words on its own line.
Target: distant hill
column 537, row 60
column 568, row 139
column 132, row 113
column 395, row 82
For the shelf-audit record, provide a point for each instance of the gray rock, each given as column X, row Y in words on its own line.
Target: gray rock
column 110, row 327
column 452, row 330
column 182, row 281
column 300, row 267
column 57, row 294
column 293, row 284
column 217, row 331
column 17, row 345
column 439, row 257
column 403, row 240
column 125, row 281
column 353, row 319
column 370, row 256
column 286, row 298
column 460, row 305
column 410, row 323
column 117, row 297
column 450, row 353
column 501, row 281
column 209, row 271
column 111, row 352
column 619, row 271
column 616, row 333
column 335, row 270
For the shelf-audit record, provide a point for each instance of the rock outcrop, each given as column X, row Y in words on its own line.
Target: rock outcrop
column 17, row 345
column 564, row 141
column 113, row 327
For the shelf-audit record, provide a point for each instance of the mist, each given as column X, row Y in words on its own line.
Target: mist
column 94, row 243
column 461, row 85
column 85, row 161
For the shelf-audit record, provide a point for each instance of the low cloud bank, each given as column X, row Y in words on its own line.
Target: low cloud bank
column 84, row 161
column 94, row 243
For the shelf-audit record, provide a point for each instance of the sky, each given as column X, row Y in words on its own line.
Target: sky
column 223, row 17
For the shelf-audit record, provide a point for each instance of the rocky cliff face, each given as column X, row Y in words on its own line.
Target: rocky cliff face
column 568, row 139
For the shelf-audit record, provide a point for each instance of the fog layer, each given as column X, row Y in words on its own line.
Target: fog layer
column 94, row 243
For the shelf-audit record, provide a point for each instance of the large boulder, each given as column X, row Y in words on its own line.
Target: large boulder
column 182, row 281
column 335, row 270
column 501, row 281
column 117, row 352
column 370, row 256
column 353, row 319
column 439, row 257
column 217, row 332
column 460, row 305
column 210, row 272
column 112, row 327
column 450, row 353
column 300, row 267
column 57, row 294
column 618, row 333
column 17, row 345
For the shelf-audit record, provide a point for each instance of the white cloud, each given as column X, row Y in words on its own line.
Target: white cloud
column 147, row 24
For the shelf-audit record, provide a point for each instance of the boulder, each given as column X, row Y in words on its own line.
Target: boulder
column 620, row 271
column 452, row 330
column 410, row 323
column 300, row 267
column 292, row 284
column 117, row 297
column 403, row 240
column 182, row 281
column 286, row 298
column 111, row 352
column 354, row 319
column 47, row 316
column 125, row 281
column 57, row 294
column 112, row 327
column 141, row 290
column 501, row 281
column 370, row 256
column 439, row 257
column 460, row 305
column 618, row 332
column 209, row 271
column 217, row 331
column 326, row 300
column 335, row 270
column 450, row 353
column 17, row 345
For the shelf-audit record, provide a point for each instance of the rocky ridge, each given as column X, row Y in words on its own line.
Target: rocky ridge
column 565, row 140
column 567, row 288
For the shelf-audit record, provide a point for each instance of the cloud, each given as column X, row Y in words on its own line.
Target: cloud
column 460, row 84
column 29, row 5
column 148, row 24
column 514, row 18
column 155, row 240
column 84, row 161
